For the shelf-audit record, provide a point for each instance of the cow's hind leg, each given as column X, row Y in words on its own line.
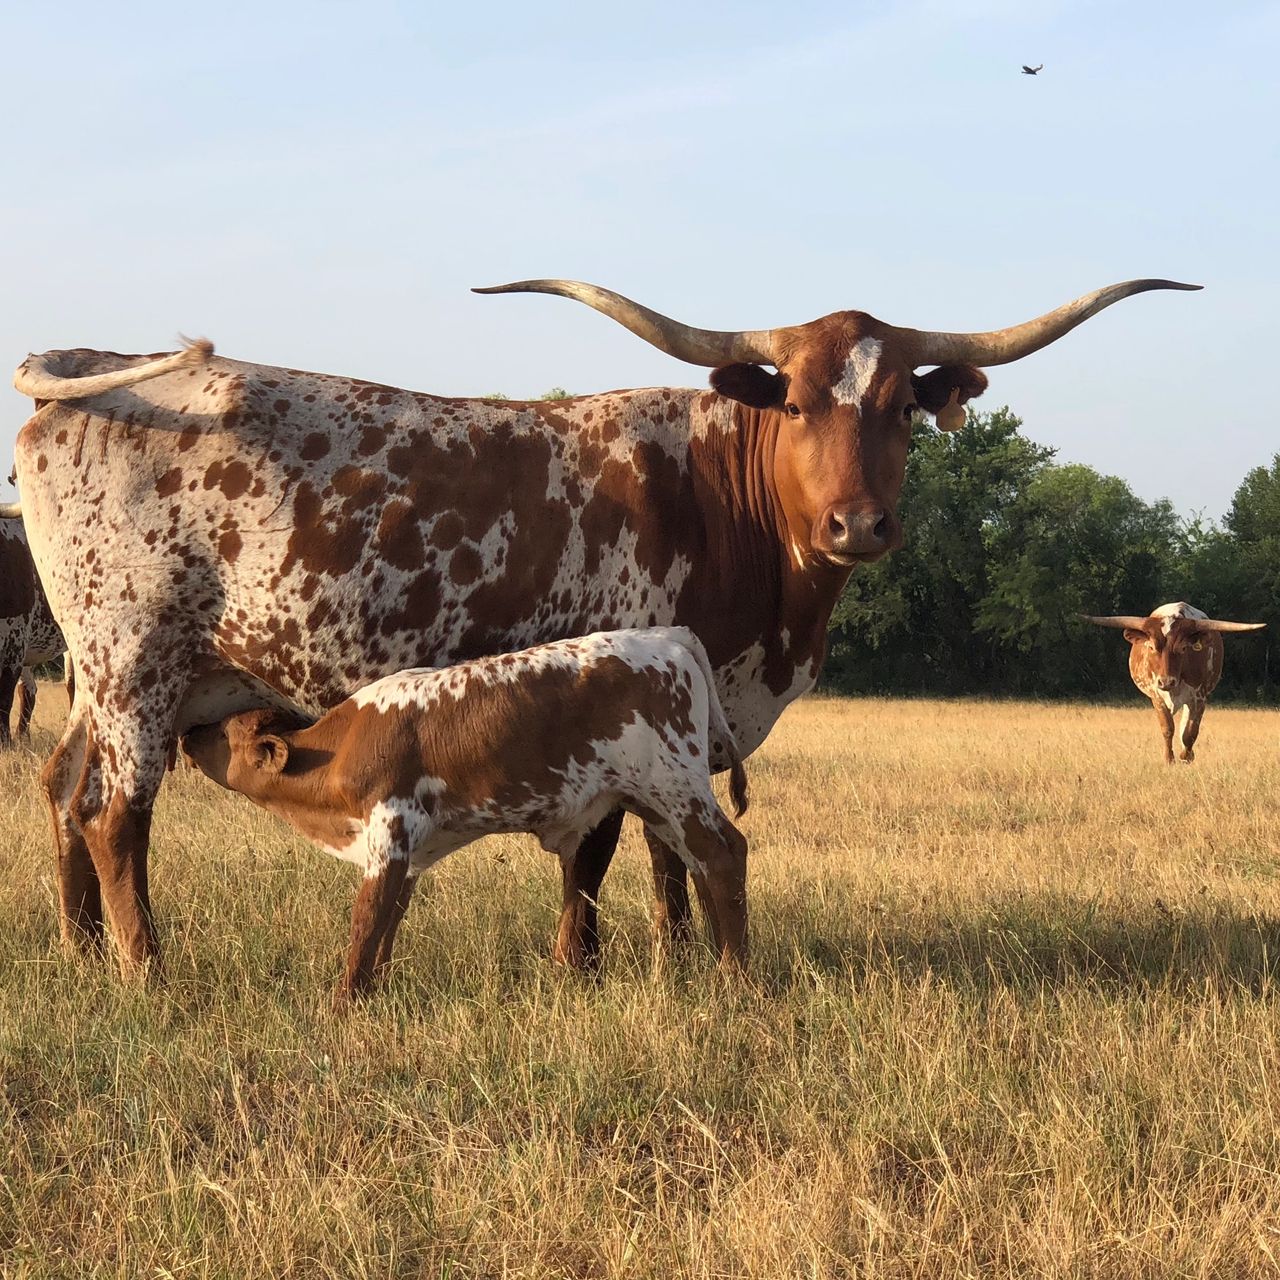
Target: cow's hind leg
column 79, row 891
column 578, row 937
column 131, row 723
column 373, row 923
column 26, row 702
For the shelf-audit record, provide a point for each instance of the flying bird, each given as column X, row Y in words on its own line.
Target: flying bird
column 1030, row 71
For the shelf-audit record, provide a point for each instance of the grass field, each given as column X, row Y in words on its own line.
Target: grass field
column 1015, row 1012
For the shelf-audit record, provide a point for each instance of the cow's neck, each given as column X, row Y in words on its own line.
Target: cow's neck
column 757, row 569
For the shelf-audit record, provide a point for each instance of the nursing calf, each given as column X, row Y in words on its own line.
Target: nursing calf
column 546, row 741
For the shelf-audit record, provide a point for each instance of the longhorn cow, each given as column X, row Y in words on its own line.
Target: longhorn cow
column 217, row 535
column 28, row 633
column 1175, row 659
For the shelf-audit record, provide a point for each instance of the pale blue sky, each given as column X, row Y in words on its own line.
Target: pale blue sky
column 318, row 185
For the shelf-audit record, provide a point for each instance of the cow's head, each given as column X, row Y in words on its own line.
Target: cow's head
column 840, row 395
column 245, row 752
column 1177, row 649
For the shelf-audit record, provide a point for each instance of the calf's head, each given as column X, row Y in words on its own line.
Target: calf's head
column 837, row 398
column 246, row 752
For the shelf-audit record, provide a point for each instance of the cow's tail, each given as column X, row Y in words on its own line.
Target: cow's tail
column 38, row 376
column 719, row 726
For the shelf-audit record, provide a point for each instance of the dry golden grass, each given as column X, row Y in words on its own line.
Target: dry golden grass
column 1015, row 1013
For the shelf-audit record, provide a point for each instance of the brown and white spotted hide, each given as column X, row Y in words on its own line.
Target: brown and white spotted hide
column 216, row 536
column 546, row 741
column 1177, row 665
column 29, row 635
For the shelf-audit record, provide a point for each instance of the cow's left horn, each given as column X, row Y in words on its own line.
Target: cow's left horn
column 1001, row 346
column 709, row 347
column 10, row 511
column 1123, row 621
column 1212, row 624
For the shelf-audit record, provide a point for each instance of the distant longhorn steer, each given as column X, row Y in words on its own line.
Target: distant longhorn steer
column 546, row 741
column 1176, row 660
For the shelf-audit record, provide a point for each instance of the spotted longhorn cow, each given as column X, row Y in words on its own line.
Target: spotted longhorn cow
column 217, row 535
column 29, row 635
column 1175, row 659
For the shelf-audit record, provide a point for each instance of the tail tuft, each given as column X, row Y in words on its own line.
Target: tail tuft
column 738, row 787
column 198, row 350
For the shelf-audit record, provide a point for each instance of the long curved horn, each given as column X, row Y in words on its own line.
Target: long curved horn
column 35, row 377
column 1121, row 622
column 709, row 347
column 10, row 511
column 1212, row 624
column 1001, row 346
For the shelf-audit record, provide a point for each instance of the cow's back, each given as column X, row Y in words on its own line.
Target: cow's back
column 317, row 532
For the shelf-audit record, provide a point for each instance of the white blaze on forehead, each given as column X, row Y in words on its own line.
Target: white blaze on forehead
column 1178, row 609
column 859, row 371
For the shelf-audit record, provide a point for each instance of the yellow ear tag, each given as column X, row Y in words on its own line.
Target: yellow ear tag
column 1198, row 645
column 951, row 416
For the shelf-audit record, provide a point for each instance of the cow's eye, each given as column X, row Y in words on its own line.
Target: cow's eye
column 793, row 409
column 910, row 412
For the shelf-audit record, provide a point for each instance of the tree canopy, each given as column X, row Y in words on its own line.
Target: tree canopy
column 1005, row 548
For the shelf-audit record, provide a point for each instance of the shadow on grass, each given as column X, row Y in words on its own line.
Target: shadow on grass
column 1013, row 944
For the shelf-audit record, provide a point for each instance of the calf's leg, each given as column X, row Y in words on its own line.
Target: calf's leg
column 371, row 923
column 398, row 909
column 716, row 851
column 577, row 942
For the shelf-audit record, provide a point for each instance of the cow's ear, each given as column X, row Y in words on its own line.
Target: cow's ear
column 269, row 753
column 749, row 384
column 946, row 390
column 1134, row 636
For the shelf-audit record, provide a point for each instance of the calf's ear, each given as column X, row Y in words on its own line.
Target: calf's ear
column 751, row 385
column 946, row 390
column 269, row 753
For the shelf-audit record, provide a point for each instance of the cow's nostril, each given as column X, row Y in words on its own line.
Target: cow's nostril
column 881, row 529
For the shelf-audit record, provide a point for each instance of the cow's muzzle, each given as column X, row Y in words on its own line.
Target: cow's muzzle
column 848, row 534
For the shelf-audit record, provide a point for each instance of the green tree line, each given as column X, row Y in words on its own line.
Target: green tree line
column 1005, row 548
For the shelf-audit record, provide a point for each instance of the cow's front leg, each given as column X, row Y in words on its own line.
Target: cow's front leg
column 578, row 937
column 26, row 702
column 9, row 676
column 1191, row 730
column 1165, row 716
column 371, row 921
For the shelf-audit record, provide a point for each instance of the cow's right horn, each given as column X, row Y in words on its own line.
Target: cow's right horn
column 10, row 511
column 710, row 347
column 1002, row 346
column 1212, row 624
column 1121, row 622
